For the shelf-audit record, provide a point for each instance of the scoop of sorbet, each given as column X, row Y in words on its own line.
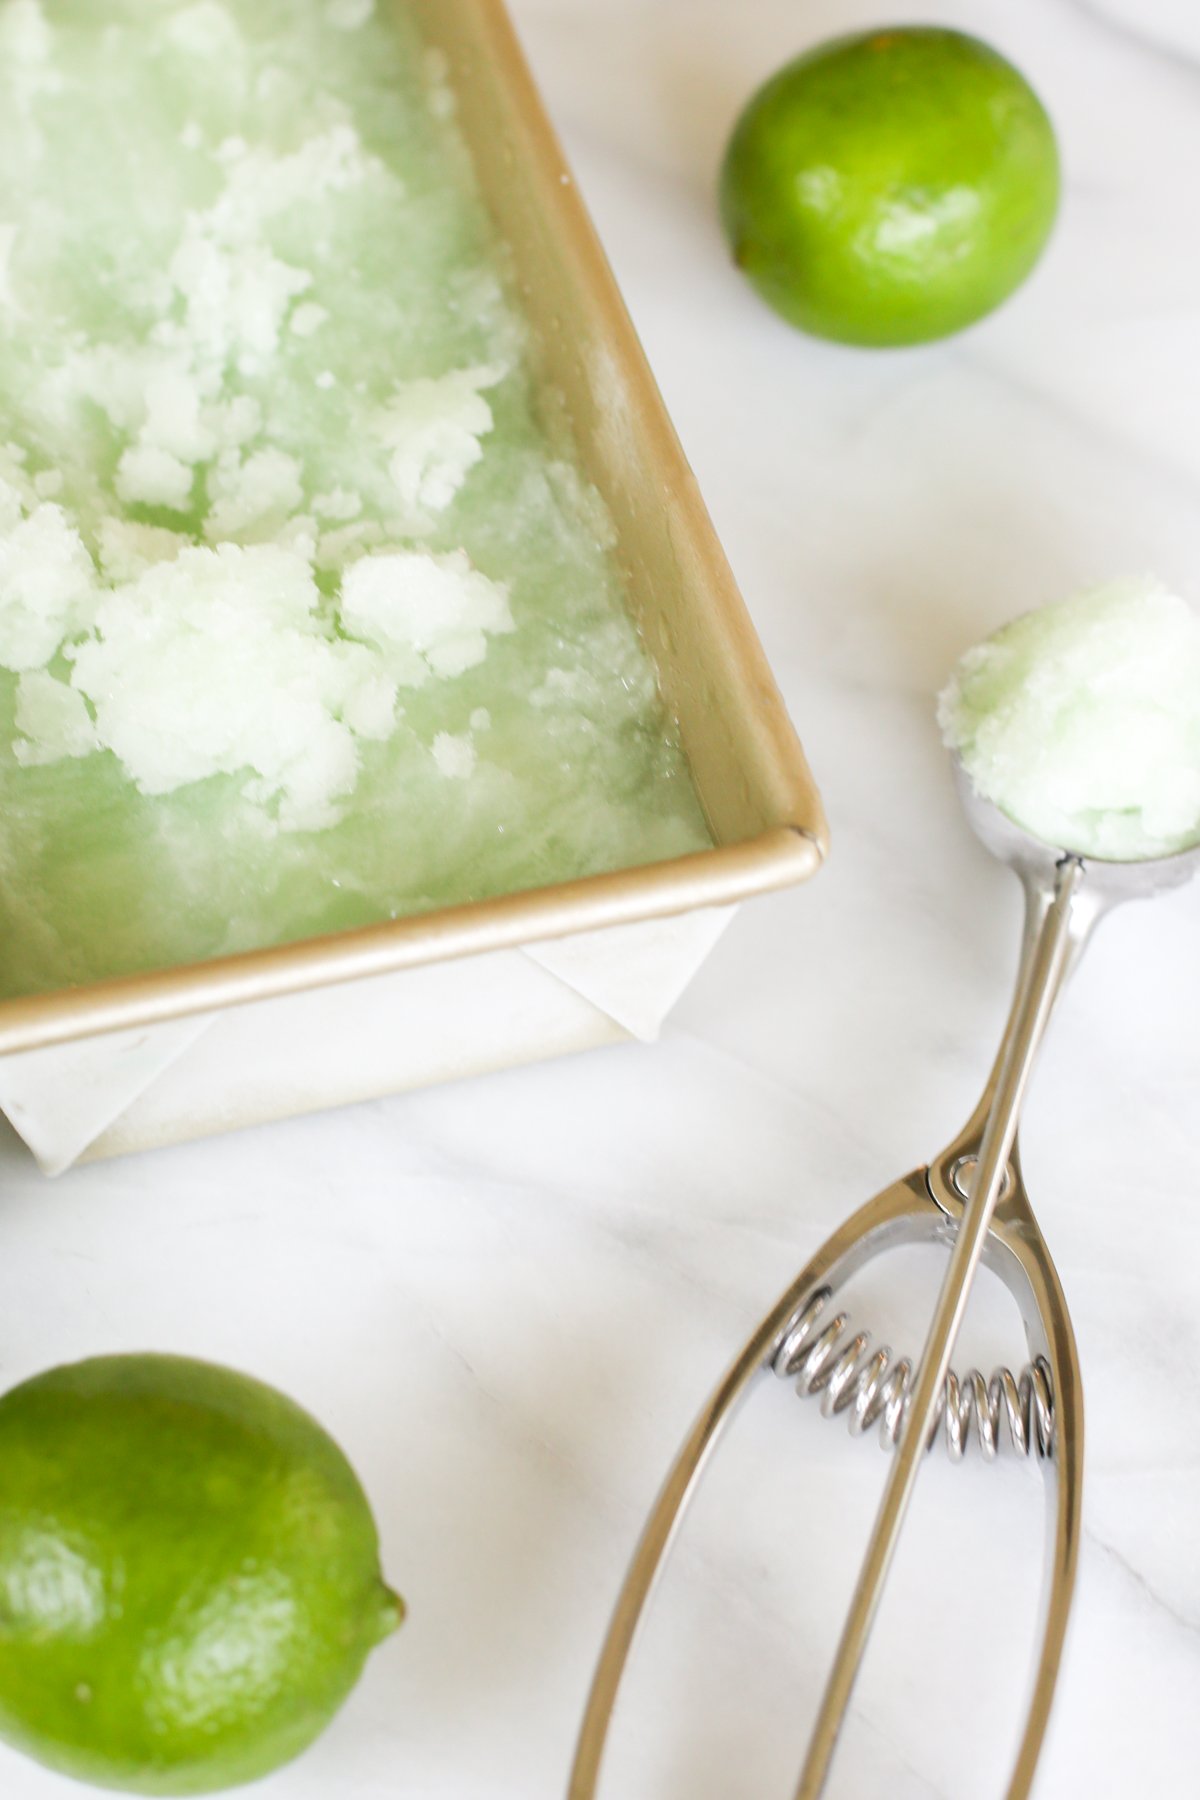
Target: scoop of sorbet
column 1081, row 721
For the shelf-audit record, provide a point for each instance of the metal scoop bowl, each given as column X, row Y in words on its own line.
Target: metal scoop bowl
column 971, row 1198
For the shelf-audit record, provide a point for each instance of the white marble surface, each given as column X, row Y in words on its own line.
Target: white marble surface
column 507, row 1298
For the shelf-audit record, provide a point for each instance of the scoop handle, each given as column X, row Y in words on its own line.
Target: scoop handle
column 1047, row 954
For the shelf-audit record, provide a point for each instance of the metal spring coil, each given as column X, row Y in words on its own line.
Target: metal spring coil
column 840, row 1365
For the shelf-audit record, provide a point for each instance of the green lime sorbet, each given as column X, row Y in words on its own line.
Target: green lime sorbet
column 1081, row 721
column 308, row 618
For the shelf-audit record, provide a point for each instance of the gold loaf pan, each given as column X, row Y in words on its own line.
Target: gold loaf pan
column 746, row 760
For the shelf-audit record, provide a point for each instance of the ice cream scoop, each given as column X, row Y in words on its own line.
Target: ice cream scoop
column 972, row 1198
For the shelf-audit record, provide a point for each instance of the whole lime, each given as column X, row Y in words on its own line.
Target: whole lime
column 891, row 187
column 189, row 1574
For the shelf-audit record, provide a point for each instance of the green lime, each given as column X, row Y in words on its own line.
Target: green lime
column 891, row 187
column 189, row 1575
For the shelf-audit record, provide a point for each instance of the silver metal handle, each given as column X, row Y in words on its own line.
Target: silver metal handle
column 971, row 1197
column 1042, row 973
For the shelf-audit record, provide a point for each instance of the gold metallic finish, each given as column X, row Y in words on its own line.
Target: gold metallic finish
column 709, row 878
column 739, row 741
column 746, row 760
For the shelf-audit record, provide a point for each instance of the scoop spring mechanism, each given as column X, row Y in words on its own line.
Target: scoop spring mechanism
column 826, row 1358
column 972, row 1201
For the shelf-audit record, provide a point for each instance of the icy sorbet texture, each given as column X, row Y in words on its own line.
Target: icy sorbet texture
column 1082, row 722
column 307, row 618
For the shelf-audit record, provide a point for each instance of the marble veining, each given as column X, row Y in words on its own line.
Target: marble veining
column 507, row 1298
